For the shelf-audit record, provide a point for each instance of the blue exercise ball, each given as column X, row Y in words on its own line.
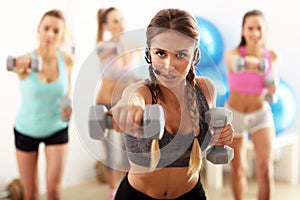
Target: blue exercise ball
column 286, row 108
column 219, row 79
column 211, row 42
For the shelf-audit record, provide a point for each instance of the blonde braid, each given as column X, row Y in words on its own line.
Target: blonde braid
column 155, row 150
column 195, row 157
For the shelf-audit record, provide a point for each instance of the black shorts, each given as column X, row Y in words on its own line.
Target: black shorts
column 127, row 192
column 26, row 143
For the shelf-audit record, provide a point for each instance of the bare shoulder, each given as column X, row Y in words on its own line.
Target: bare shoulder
column 68, row 58
column 140, row 90
column 273, row 55
column 208, row 88
column 145, row 91
column 232, row 52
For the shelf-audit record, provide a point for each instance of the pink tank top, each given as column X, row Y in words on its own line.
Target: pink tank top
column 112, row 70
column 247, row 82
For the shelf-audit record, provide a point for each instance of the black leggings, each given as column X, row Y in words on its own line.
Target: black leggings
column 127, row 192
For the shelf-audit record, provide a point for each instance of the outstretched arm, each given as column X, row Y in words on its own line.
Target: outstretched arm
column 128, row 112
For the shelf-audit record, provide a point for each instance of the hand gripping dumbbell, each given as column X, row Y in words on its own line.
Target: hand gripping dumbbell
column 36, row 64
column 240, row 65
column 152, row 124
column 65, row 103
column 269, row 81
column 219, row 118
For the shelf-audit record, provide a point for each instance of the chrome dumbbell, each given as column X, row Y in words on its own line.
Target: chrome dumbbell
column 217, row 118
column 152, row 125
column 65, row 103
column 36, row 63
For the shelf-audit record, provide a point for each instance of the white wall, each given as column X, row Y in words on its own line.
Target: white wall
column 19, row 19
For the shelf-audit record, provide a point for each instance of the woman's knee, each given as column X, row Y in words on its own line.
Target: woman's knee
column 264, row 168
column 239, row 165
column 54, row 192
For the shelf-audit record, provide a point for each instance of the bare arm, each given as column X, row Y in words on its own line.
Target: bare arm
column 128, row 112
column 208, row 89
column 230, row 57
column 225, row 135
column 69, row 61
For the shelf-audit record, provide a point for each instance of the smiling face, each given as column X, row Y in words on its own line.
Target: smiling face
column 254, row 30
column 114, row 22
column 172, row 55
column 51, row 32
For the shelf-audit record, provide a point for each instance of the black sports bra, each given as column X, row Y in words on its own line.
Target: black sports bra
column 175, row 149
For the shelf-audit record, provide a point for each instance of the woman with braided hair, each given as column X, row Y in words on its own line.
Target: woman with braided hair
column 168, row 168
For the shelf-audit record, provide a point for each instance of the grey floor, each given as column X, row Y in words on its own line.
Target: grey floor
column 94, row 190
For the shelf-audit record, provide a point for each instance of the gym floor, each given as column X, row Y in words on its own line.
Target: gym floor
column 93, row 189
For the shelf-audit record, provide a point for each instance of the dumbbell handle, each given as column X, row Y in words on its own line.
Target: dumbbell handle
column 35, row 64
column 152, row 123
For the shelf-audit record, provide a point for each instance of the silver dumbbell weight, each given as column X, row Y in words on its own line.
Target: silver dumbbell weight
column 239, row 65
column 263, row 65
column 65, row 103
column 271, row 80
column 152, row 125
column 36, row 63
column 219, row 118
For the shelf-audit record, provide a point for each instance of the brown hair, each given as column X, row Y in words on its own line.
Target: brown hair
column 182, row 22
column 249, row 14
column 57, row 14
column 102, row 19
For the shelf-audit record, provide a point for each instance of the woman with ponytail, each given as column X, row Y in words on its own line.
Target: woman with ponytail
column 248, row 100
column 168, row 168
column 39, row 117
column 117, row 69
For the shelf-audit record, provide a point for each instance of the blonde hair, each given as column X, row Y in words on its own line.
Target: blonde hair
column 195, row 158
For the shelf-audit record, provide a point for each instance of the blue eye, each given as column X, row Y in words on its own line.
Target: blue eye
column 181, row 55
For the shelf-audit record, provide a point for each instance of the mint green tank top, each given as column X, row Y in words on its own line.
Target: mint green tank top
column 39, row 114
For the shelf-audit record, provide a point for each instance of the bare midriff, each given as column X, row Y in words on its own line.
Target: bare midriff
column 165, row 183
column 245, row 103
